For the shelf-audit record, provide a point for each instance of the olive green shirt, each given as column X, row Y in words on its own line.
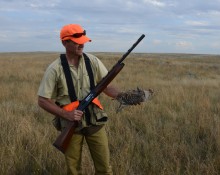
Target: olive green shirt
column 53, row 84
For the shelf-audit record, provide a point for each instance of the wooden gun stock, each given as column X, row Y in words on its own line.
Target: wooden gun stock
column 64, row 138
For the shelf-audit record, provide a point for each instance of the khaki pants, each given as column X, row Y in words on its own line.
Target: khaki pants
column 98, row 146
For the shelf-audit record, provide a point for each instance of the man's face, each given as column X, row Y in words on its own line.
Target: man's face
column 73, row 48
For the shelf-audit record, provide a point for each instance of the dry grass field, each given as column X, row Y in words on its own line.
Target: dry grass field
column 176, row 133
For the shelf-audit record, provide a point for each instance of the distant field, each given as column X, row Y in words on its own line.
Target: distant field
column 176, row 133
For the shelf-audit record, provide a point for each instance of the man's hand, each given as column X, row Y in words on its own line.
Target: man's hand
column 51, row 107
column 75, row 115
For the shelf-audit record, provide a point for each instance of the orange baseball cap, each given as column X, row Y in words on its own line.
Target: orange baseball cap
column 75, row 33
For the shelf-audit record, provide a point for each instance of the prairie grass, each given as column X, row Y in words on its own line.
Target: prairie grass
column 177, row 132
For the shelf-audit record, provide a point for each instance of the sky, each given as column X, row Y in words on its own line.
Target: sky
column 170, row 26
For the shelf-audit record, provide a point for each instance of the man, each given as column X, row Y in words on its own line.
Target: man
column 53, row 88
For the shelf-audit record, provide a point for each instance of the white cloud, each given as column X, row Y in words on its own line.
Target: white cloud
column 157, row 42
column 197, row 23
column 43, row 4
column 183, row 44
column 155, row 3
column 215, row 45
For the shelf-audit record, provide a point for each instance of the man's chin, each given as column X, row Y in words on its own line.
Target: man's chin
column 80, row 52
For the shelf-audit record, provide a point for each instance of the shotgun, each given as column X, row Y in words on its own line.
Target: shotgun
column 64, row 138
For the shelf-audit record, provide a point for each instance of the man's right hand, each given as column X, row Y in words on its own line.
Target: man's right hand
column 75, row 115
column 51, row 107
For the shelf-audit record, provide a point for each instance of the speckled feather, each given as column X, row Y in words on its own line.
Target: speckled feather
column 133, row 97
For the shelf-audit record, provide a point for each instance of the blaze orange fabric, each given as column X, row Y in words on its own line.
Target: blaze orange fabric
column 71, row 106
column 97, row 102
column 75, row 104
column 74, row 32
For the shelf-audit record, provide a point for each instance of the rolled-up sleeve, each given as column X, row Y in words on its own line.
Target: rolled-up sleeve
column 48, row 87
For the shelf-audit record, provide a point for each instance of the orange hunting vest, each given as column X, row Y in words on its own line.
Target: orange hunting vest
column 75, row 104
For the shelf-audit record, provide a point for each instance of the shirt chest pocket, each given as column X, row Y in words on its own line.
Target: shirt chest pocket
column 62, row 86
column 85, row 82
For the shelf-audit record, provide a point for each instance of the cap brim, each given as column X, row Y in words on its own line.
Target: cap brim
column 83, row 39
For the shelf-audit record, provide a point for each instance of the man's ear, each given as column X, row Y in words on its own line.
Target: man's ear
column 64, row 42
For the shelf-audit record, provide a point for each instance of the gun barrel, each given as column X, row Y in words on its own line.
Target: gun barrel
column 129, row 50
